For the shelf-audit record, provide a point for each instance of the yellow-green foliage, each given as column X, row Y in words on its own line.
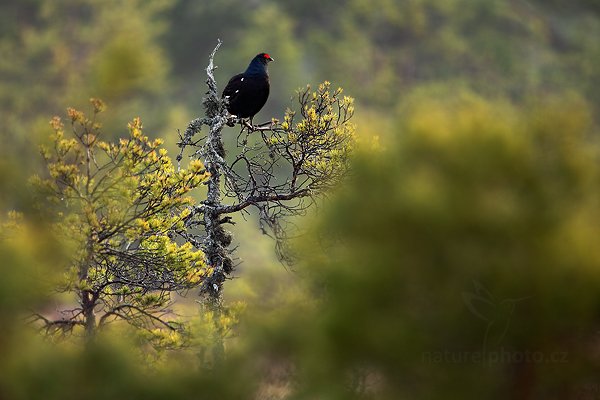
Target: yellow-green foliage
column 469, row 246
column 119, row 206
column 472, row 200
column 320, row 143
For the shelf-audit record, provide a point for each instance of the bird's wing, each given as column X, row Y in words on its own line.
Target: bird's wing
column 233, row 86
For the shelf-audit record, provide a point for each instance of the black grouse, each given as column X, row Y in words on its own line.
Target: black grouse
column 248, row 92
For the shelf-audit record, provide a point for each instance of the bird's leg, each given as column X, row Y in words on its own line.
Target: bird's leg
column 245, row 140
column 248, row 125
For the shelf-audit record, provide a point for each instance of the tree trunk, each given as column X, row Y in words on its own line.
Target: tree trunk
column 217, row 239
column 87, row 297
column 88, row 303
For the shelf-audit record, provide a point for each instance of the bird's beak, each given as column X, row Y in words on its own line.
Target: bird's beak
column 271, row 59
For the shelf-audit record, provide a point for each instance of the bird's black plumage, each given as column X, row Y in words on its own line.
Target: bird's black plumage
column 248, row 92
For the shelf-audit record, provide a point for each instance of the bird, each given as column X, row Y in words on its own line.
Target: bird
column 248, row 92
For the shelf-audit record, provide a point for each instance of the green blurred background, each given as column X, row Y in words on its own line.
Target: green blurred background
column 460, row 261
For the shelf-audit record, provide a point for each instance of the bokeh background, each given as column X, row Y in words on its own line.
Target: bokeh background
column 460, row 261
